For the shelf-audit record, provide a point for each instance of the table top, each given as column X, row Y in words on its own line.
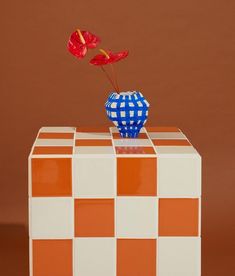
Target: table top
column 107, row 142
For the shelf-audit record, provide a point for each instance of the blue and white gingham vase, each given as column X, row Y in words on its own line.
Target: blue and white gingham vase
column 128, row 111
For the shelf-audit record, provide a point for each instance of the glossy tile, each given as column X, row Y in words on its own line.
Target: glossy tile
column 136, row 176
column 51, row 176
column 162, row 129
column 94, row 217
column 167, row 135
column 55, row 135
column 171, row 142
column 136, row 257
column 95, row 256
column 52, row 150
column 93, row 129
column 179, row 175
column 57, row 129
column 179, row 256
column 94, row 177
column 140, row 136
column 132, row 142
column 94, row 150
column 134, row 150
column 178, row 217
column 93, row 142
column 174, row 150
column 52, row 257
column 136, row 217
column 54, row 142
column 51, row 218
column 93, row 135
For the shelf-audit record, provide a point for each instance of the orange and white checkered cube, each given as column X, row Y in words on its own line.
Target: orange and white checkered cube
column 102, row 205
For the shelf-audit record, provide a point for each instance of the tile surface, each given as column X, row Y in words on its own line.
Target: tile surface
column 96, row 256
column 51, row 218
column 107, row 206
column 179, row 256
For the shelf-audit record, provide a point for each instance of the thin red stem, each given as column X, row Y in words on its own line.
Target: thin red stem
column 108, row 77
column 115, row 77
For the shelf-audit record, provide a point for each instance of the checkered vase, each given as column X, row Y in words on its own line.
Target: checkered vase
column 128, row 111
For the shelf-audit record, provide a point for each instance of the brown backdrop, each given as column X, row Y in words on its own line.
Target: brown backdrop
column 181, row 57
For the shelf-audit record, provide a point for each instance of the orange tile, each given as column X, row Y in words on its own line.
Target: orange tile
column 178, row 217
column 140, row 136
column 137, row 176
column 93, row 142
column 94, row 217
column 53, row 150
column 134, row 150
column 162, row 129
column 52, row 257
column 136, row 257
column 92, row 129
column 173, row 142
column 51, row 176
column 55, row 135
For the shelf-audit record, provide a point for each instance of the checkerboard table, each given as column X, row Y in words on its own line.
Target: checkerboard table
column 101, row 205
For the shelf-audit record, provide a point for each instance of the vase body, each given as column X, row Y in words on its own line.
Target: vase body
column 128, row 111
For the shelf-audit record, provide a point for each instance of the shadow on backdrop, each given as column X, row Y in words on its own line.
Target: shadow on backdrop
column 14, row 250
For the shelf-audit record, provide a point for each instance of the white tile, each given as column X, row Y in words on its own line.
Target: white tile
column 95, row 256
column 94, row 177
column 179, row 175
column 132, row 142
column 51, row 218
column 179, row 256
column 115, row 130
column 97, row 150
column 93, row 135
column 57, row 129
column 136, row 217
column 54, row 142
column 161, row 150
column 166, row 135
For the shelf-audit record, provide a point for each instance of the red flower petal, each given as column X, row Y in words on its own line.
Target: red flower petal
column 78, row 50
column 77, row 47
column 91, row 40
column 101, row 59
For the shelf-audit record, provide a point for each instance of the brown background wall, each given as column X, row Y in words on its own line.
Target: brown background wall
column 182, row 58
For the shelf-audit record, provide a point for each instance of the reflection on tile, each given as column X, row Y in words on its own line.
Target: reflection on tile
column 132, row 142
column 134, row 150
column 140, row 136
column 51, row 177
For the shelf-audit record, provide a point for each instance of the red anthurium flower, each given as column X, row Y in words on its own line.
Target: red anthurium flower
column 80, row 42
column 108, row 57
